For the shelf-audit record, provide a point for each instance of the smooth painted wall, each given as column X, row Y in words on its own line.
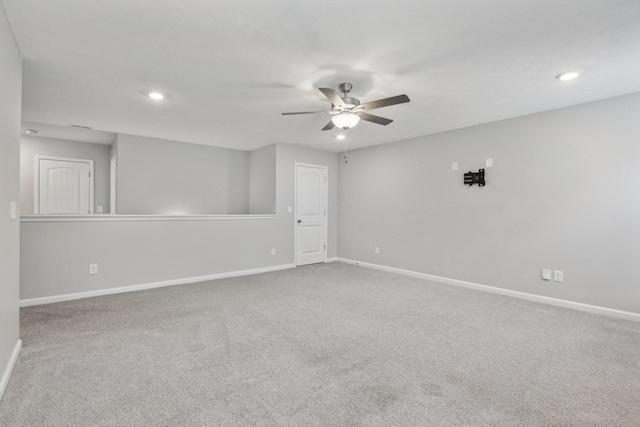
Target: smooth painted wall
column 563, row 194
column 32, row 146
column 10, row 109
column 262, row 180
column 161, row 177
column 142, row 252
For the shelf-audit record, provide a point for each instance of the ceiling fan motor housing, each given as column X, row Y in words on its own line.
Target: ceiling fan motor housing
column 351, row 102
column 345, row 88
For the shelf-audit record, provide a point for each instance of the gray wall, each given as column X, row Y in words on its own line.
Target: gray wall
column 157, row 176
column 140, row 252
column 564, row 193
column 262, row 180
column 32, row 146
column 10, row 107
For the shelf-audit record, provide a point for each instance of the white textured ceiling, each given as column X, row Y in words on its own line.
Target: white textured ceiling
column 229, row 68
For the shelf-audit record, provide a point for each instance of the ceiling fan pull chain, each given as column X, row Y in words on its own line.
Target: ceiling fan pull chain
column 345, row 151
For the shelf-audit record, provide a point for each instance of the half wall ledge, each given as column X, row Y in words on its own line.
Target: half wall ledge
column 109, row 217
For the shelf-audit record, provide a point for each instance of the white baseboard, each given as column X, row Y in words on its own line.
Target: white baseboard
column 334, row 259
column 133, row 288
column 627, row 315
column 7, row 372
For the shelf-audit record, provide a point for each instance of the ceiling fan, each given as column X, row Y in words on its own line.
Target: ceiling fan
column 348, row 111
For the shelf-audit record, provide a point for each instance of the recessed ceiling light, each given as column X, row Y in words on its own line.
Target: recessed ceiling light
column 569, row 75
column 156, row 95
column 31, row 131
column 341, row 136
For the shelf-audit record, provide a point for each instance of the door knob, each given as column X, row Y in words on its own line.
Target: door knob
column 299, row 221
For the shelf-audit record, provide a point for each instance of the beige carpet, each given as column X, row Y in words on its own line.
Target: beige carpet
column 322, row 345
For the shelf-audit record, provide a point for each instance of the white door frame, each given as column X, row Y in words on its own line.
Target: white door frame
column 36, row 180
column 113, row 186
column 295, row 208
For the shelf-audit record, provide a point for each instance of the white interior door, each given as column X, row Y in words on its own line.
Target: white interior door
column 311, row 214
column 63, row 186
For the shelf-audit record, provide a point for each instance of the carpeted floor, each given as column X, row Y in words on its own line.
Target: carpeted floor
column 322, row 345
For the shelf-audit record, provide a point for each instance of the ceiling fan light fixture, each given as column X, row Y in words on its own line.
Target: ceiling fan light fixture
column 345, row 120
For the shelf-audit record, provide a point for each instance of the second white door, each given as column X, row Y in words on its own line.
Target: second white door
column 63, row 186
column 311, row 214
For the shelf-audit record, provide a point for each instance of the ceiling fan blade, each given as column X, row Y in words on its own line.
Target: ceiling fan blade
column 333, row 96
column 305, row 112
column 329, row 126
column 400, row 99
column 375, row 119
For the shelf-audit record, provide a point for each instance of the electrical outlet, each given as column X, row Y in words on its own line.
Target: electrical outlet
column 273, row 251
column 376, row 250
column 488, row 163
column 454, row 166
column 99, row 209
column 93, row 268
column 546, row 274
column 558, row 276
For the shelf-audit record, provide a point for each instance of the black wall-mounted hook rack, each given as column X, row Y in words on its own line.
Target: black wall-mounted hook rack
column 475, row 178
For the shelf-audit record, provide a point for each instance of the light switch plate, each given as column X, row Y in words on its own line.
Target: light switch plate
column 488, row 163
column 546, row 274
column 14, row 210
column 454, row 166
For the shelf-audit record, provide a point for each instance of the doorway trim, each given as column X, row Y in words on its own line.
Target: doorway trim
column 113, row 185
column 295, row 209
